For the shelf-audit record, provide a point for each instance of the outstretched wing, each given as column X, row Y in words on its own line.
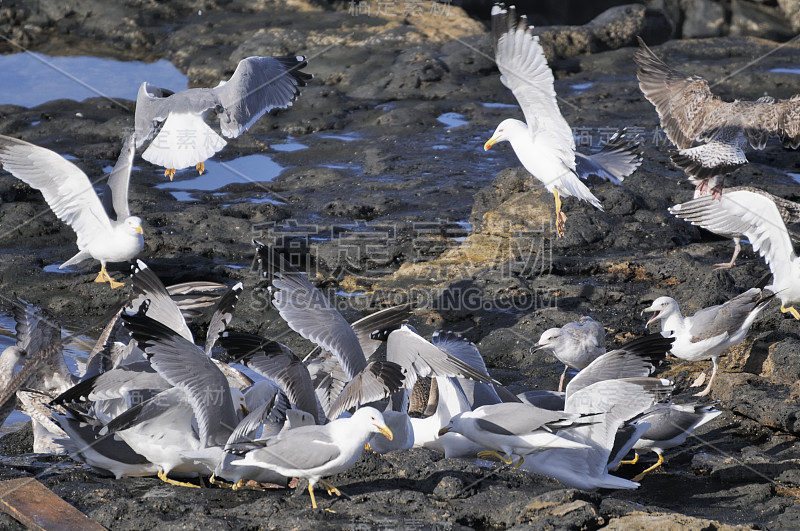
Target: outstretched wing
column 753, row 215
column 258, row 85
column 524, row 70
column 64, row 186
column 684, row 103
column 115, row 192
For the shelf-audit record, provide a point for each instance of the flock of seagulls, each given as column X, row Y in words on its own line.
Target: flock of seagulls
column 149, row 401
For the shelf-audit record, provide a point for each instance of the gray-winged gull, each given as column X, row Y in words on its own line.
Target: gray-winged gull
column 277, row 362
column 510, row 429
column 327, row 374
column 200, row 390
column 711, row 134
column 616, row 387
column 725, row 218
column 543, row 143
column 309, row 313
column 106, row 231
column 613, row 402
column 670, row 425
column 575, row 344
column 637, row 358
column 311, row 452
column 421, row 358
column 105, row 454
column 477, row 392
column 710, row 331
column 258, row 85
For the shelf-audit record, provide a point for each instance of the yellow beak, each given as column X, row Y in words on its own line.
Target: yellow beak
column 444, row 430
column 489, row 143
column 385, row 431
column 138, row 228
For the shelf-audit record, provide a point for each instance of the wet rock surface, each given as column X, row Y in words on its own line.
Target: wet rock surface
column 390, row 197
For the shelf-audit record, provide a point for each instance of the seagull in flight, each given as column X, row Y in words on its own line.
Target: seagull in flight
column 543, row 143
column 711, row 134
column 177, row 120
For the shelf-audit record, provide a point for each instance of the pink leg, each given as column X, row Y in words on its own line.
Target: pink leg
column 563, row 377
column 707, row 390
column 736, row 251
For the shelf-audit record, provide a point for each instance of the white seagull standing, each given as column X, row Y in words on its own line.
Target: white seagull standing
column 311, row 452
column 544, row 145
column 710, row 331
column 106, row 230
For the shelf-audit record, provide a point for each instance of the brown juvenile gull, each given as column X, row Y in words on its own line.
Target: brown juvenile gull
column 710, row 331
column 258, row 85
column 711, row 134
column 106, row 231
column 724, row 219
column 543, row 143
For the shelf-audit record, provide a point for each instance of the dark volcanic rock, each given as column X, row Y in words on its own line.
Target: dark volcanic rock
column 704, row 18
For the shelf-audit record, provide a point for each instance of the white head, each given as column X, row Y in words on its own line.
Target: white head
column 662, row 307
column 505, row 131
column 374, row 419
column 13, row 355
column 452, row 425
column 548, row 339
column 134, row 223
column 11, row 358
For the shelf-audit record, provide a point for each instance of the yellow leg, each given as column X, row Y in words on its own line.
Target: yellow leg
column 163, row 477
column 485, row 454
column 234, row 486
column 519, row 463
column 646, row 470
column 329, row 487
column 169, row 172
column 632, row 461
column 223, row 484
column 561, row 218
column 311, row 492
column 102, row 276
column 792, row 310
column 201, row 167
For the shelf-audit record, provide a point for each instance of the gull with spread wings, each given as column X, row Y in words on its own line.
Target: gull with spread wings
column 711, row 134
column 106, row 230
column 761, row 219
column 177, row 120
column 543, row 143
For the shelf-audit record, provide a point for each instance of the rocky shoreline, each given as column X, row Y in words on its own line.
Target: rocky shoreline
column 391, row 197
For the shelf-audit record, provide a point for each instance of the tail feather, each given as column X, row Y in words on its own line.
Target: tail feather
column 619, row 158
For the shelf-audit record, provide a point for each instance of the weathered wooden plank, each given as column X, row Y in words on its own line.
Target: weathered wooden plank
column 37, row 507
